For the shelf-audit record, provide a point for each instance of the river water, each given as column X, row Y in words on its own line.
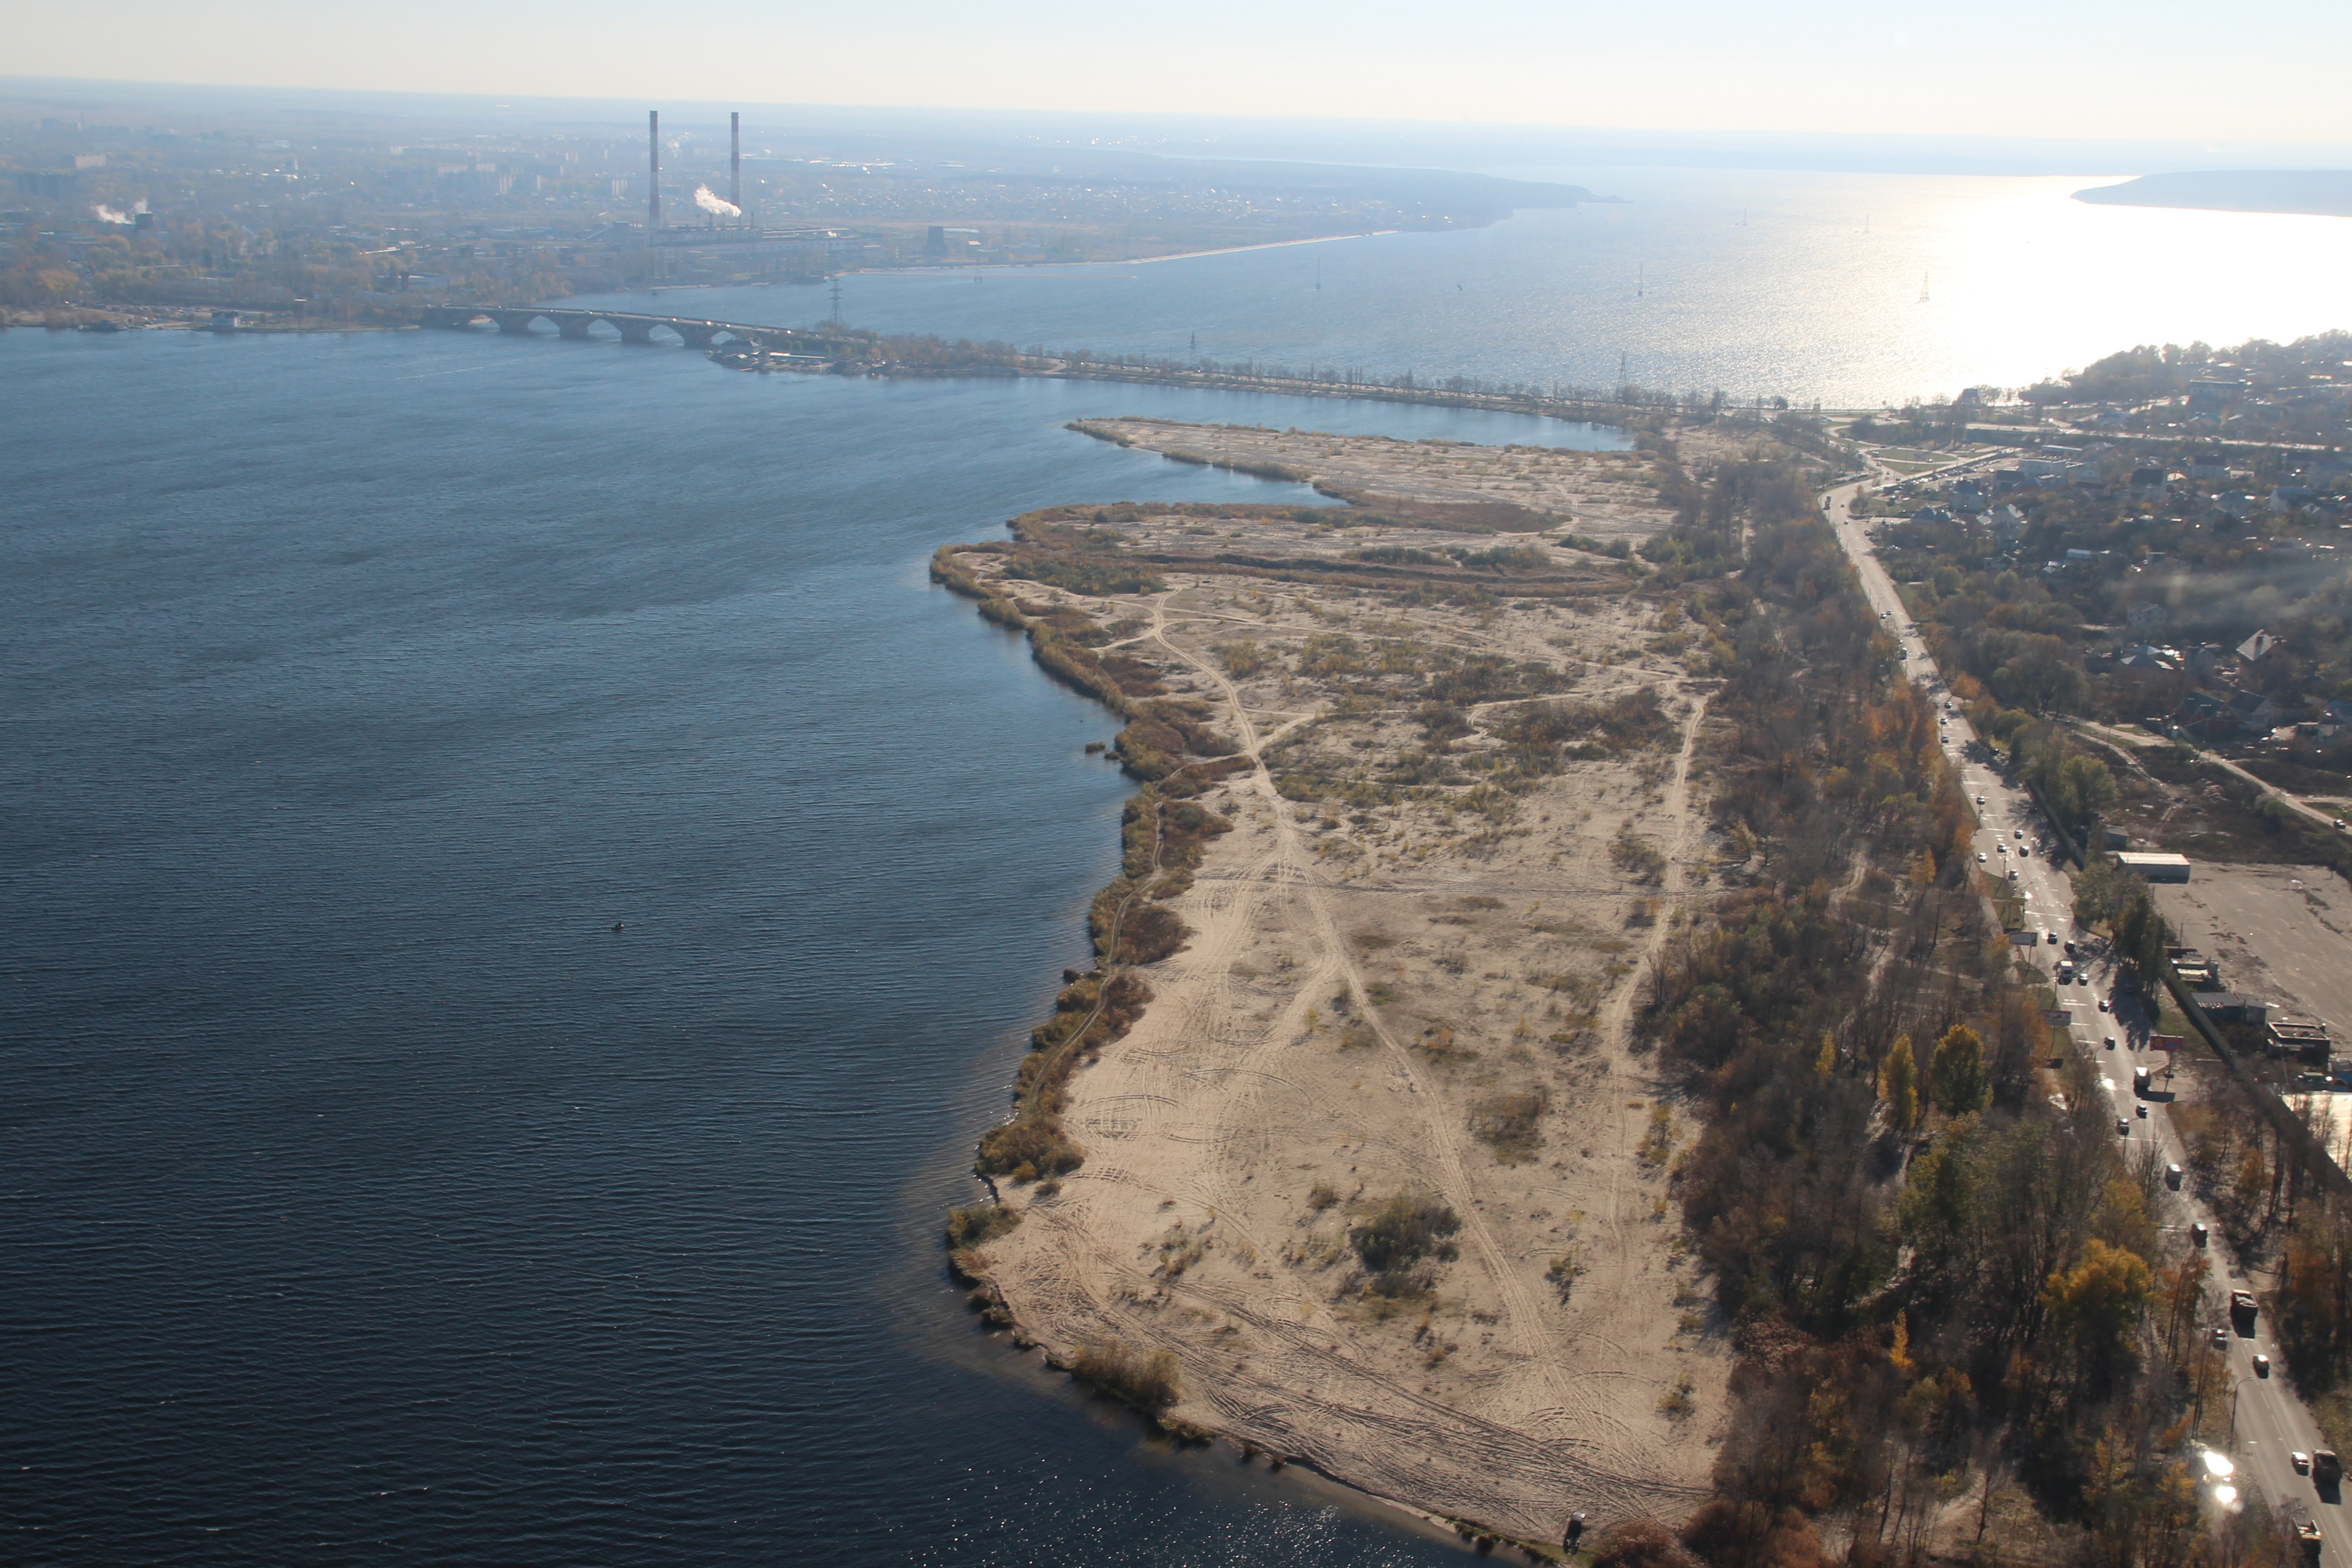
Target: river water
column 1848, row 289
column 368, row 1194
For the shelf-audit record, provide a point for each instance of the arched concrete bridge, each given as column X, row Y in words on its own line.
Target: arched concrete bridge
column 634, row 328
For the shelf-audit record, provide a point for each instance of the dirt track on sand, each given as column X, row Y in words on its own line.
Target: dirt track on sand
column 1373, row 970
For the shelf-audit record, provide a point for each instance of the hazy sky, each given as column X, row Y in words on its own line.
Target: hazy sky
column 2259, row 69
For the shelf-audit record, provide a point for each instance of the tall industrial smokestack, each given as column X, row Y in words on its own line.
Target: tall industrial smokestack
column 653, row 145
column 735, row 158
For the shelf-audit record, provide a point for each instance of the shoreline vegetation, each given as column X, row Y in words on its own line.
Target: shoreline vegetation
column 1550, row 1047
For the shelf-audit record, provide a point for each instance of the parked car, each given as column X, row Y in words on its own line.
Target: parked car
column 1980, row 857
column 2301, row 1461
column 2172, row 1177
column 2020, row 832
column 2220, row 1336
column 2141, row 1111
column 2053, row 937
column 2123, row 1128
column 2197, row 1235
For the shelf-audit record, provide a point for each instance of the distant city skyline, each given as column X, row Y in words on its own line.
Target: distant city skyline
column 2071, row 69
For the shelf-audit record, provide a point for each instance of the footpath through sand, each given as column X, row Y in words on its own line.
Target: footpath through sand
column 1461, row 818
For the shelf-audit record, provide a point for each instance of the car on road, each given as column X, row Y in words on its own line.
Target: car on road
column 2111, row 1042
column 2172, row 1177
column 2261, row 1364
column 2053, row 937
column 1979, row 800
column 2103, row 1005
column 2197, row 1235
column 2220, row 1336
column 2069, row 950
column 2025, row 851
column 2017, row 832
column 1980, row 857
column 2123, row 1128
column 2141, row 1111
column 2301, row 1461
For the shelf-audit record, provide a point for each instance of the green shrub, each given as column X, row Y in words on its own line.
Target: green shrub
column 1150, row 1383
column 1026, row 1149
column 1506, row 1123
column 979, row 1224
column 1394, row 1243
column 1243, row 657
column 1094, row 578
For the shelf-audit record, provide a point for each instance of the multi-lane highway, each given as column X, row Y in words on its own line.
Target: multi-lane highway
column 2012, row 844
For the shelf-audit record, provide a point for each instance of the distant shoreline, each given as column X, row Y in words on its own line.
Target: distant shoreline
column 2302, row 193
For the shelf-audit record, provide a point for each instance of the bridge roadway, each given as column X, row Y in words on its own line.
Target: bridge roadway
column 634, row 328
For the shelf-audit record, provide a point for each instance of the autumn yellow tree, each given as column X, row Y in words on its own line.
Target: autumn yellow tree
column 1898, row 1085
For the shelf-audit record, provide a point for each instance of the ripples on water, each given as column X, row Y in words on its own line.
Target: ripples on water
column 1761, row 282
column 366, row 1194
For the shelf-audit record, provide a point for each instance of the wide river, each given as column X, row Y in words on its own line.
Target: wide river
column 1846, row 289
column 519, row 896
column 368, row 1194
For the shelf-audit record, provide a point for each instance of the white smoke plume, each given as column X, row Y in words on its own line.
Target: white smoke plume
column 105, row 214
column 713, row 205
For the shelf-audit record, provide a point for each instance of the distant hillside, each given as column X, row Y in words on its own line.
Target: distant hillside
column 2326, row 193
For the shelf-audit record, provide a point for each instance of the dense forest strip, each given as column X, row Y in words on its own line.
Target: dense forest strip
column 1941, row 1273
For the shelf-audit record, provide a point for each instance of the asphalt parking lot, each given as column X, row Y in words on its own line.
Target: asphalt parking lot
column 2280, row 932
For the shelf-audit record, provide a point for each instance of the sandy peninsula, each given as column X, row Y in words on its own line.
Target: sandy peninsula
column 1371, row 1154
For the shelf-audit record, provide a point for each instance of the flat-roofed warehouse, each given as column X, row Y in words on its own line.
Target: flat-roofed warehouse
column 2155, row 867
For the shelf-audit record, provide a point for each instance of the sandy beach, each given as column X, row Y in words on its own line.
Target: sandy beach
column 1462, row 813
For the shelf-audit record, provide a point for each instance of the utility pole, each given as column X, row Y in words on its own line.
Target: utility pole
column 836, row 299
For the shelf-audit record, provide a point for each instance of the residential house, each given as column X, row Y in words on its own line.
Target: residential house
column 2204, row 718
column 2253, row 711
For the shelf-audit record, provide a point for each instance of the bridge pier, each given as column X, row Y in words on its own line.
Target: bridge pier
column 636, row 332
column 515, row 321
column 573, row 326
column 698, row 335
